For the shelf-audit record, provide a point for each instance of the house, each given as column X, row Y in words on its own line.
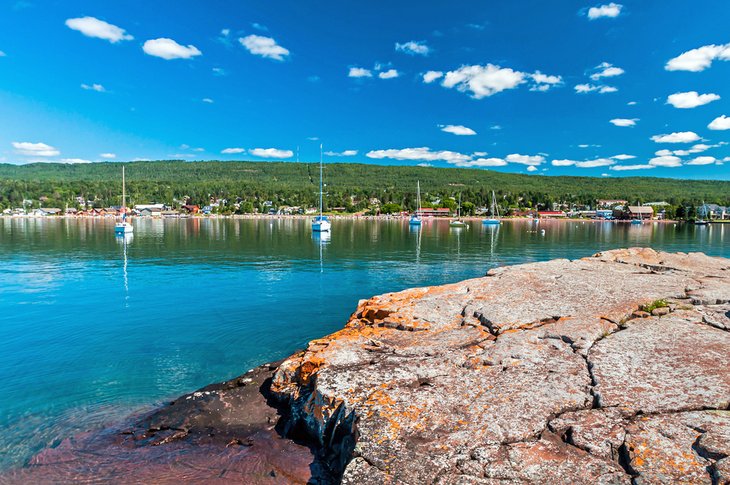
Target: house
column 191, row 208
column 713, row 211
column 71, row 211
column 611, row 203
column 604, row 214
column 640, row 212
column 550, row 214
column 48, row 211
column 440, row 212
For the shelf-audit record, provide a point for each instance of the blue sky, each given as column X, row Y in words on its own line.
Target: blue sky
column 554, row 88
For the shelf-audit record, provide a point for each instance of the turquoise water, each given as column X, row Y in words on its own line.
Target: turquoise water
column 93, row 328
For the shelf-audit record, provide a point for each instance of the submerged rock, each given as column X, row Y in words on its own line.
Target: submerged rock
column 544, row 373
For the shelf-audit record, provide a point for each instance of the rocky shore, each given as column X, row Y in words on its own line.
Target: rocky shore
column 608, row 369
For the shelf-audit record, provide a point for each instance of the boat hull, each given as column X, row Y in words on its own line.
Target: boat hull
column 125, row 228
column 321, row 226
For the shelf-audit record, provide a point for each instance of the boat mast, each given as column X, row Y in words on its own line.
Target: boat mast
column 418, row 197
column 124, row 190
column 458, row 210
column 321, row 194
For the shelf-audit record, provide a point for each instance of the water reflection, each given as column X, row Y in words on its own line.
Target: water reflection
column 124, row 240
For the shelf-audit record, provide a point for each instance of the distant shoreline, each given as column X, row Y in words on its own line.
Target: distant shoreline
column 332, row 216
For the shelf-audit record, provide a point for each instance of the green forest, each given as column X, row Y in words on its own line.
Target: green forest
column 350, row 186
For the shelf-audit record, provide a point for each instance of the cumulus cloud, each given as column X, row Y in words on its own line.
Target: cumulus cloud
column 605, row 69
column 632, row 167
column 359, row 72
column 691, row 99
column 482, row 163
column 93, row 27
column 525, row 159
column 168, row 49
column 531, row 168
column 414, row 48
column 229, row 151
column 623, row 156
column 703, row 161
column 267, row 47
column 598, row 162
column 271, row 153
column 677, row 137
column 624, row 121
column 611, row 10
column 590, row 88
column 94, row 87
column 420, row 154
column 699, row 59
column 346, row 153
column 74, row 160
column 431, row 76
column 389, row 74
column 29, row 149
column 666, row 161
column 482, row 81
column 457, row 130
column 108, row 156
column 720, row 123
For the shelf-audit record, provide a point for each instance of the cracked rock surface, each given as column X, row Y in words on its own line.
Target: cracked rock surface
column 546, row 372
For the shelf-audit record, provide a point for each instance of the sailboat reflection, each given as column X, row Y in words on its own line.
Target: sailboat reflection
column 321, row 238
column 125, row 239
column 493, row 230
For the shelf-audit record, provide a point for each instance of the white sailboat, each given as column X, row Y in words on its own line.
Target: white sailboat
column 458, row 222
column 702, row 221
column 122, row 228
column 415, row 219
column 321, row 223
column 494, row 211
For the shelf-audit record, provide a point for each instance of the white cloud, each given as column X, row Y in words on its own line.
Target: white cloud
column 611, row 10
column 495, row 127
column 531, row 168
column 544, row 82
column 94, row 87
column 168, row 49
column 74, row 160
column 482, row 81
column 563, row 163
column 698, row 148
column 457, row 130
column 598, row 162
column 35, row 149
column 699, row 59
column 703, row 161
column 677, row 137
column 632, row 103
column 631, row 167
column 271, row 153
column 346, row 153
column 219, row 71
column 525, row 159
column 623, row 156
column 264, row 46
column 691, row 99
column 359, row 72
column 229, row 151
column 666, row 161
column 259, row 26
column 424, row 164
column 413, row 48
column 108, row 156
column 720, row 123
column 389, row 74
column 207, row 100
column 93, row 27
column 590, row 88
column 482, row 163
column 421, row 154
column 605, row 69
column 431, row 76
column 624, row 121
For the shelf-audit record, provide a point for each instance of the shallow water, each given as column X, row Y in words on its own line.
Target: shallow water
column 93, row 327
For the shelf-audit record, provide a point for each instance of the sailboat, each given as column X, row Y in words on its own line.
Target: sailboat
column 415, row 219
column 123, row 227
column 494, row 211
column 321, row 223
column 458, row 222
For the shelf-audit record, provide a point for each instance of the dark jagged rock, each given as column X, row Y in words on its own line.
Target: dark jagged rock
column 538, row 373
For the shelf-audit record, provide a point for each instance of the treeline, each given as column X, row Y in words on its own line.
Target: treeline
column 350, row 186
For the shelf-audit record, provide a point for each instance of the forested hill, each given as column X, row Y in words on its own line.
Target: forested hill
column 348, row 185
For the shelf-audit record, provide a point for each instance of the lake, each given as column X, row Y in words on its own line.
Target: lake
column 93, row 328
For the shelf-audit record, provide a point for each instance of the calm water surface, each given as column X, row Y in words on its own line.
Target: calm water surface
column 93, row 328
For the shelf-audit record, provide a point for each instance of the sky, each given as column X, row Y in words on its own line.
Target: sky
column 603, row 89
